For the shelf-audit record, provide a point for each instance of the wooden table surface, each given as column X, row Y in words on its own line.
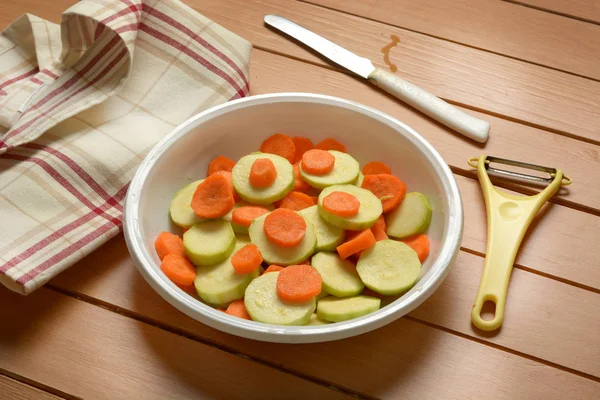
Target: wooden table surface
column 530, row 67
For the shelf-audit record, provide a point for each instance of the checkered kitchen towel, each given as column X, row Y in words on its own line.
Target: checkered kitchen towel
column 81, row 103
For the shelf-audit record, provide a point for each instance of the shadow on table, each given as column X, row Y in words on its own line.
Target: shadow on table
column 368, row 364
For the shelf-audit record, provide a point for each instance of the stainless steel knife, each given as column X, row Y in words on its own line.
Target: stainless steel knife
column 427, row 103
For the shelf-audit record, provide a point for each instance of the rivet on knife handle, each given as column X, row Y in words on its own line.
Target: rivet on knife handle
column 474, row 128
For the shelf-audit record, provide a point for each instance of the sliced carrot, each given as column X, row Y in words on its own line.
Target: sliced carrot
column 351, row 235
column 376, row 167
column 302, row 144
column 331, row 144
column 247, row 259
column 361, row 242
column 273, row 268
column 168, row 243
column 262, row 173
column 388, row 188
column 237, row 308
column 213, row 198
column 379, row 229
column 297, row 201
column 420, row 244
column 299, row 184
column 298, row 283
column 178, row 269
column 228, row 176
column 368, row 292
column 342, row 204
column 220, row 163
column 246, row 214
column 189, row 289
column 318, row 162
column 285, row 227
column 280, row 144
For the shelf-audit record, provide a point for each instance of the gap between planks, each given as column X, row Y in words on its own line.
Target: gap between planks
column 34, row 385
column 183, row 333
column 455, row 41
column 550, row 11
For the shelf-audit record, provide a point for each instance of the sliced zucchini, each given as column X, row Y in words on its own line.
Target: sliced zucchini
column 284, row 183
column 314, row 320
column 345, row 170
column 411, row 217
column 328, row 236
column 273, row 254
column 339, row 276
column 263, row 303
column 334, row 309
column 209, row 242
column 181, row 209
column 389, row 267
column 219, row 284
column 359, row 179
column 370, row 208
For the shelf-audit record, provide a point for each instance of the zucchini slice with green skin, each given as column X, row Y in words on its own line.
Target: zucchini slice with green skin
column 263, row 303
column 370, row 208
column 314, row 320
column 411, row 217
column 181, row 209
column 339, row 276
column 345, row 170
column 359, row 179
column 389, row 267
column 328, row 236
column 284, row 183
column 334, row 309
column 209, row 242
column 219, row 284
column 274, row 254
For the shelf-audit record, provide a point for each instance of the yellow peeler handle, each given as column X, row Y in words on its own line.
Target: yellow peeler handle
column 509, row 217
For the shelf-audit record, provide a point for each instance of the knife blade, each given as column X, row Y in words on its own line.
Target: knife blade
column 469, row 126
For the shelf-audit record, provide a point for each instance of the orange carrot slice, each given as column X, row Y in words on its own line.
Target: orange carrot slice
column 213, row 197
column 388, row 188
column 341, row 204
column 297, row 201
column 280, row 144
column 285, row 227
column 302, row 144
column 262, row 173
column 361, row 242
column 317, row 162
column 273, row 268
column 247, row 259
column 220, row 163
column 178, row 269
column 376, row 167
column 331, row 144
column 246, row 214
column 168, row 243
column 299, row 184
column 420, row 244
column 227, row 175
column 298, row 283
column 379, row 229
column 237, row 308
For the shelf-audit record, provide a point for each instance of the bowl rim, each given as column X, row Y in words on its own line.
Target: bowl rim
column 438, row 271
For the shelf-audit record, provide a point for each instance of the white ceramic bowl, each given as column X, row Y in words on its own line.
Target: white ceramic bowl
column 237, row 128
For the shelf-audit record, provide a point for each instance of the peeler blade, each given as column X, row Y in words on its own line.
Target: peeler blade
column 503, row 173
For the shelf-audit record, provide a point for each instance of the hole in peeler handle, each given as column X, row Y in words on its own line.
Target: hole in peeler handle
column 488, row 311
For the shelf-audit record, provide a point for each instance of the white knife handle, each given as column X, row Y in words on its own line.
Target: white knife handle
column 474, row 128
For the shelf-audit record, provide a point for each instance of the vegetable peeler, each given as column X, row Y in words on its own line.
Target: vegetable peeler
column 508, row 218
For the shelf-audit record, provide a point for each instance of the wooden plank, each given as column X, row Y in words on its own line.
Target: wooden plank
column 562, row 242
column 588, row 10
column 272, row 73
column 14, row 390
column 542, row 317
column 52, row 11
column 94, row 353
column 499, row 27
column 454, row 72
